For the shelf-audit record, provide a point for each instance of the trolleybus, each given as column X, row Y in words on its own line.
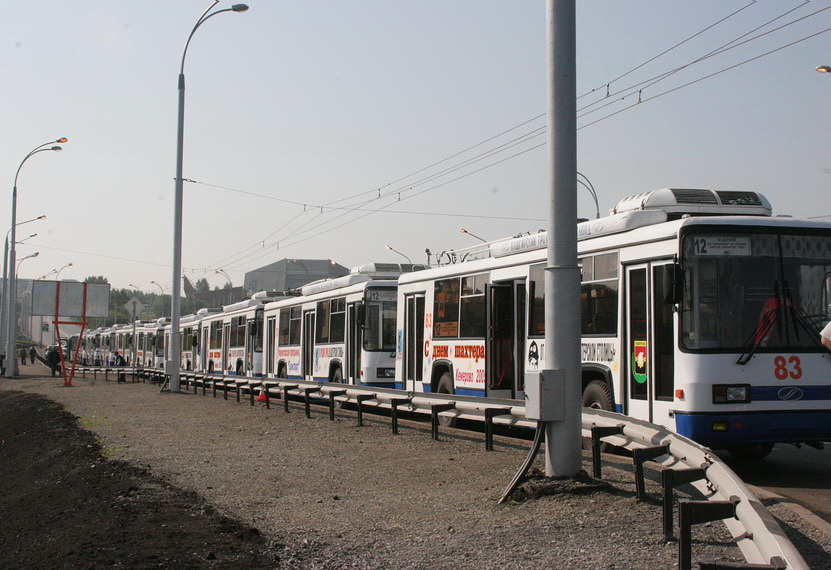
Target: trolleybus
column 699, row 312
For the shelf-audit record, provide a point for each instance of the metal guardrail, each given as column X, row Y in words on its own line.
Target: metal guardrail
column 755, row 531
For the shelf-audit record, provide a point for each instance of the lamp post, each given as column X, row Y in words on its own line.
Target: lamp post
column 230, row 283
column 58, row 272
column 590, row 187
column 410, row 261
column 11, row 334
column 133, row 346
column 464, row 231
column 3, row 314
column 161, row 294
column 175, row 354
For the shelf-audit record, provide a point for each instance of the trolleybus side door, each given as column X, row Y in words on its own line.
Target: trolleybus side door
column 649, row 358
column 308, row 347
column 505, row 341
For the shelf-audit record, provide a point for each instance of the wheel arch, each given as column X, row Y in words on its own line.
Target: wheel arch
column 591, row 372
column 439, row 368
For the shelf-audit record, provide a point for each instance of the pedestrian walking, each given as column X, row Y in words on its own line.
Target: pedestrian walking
column 120, row 362
column 32, row 354
column 2, row 364
column 53, row 358
column 23, row 355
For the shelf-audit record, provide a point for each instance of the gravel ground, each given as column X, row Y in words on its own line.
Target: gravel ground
column 333, row 495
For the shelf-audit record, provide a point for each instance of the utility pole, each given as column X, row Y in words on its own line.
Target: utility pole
column 554, row 395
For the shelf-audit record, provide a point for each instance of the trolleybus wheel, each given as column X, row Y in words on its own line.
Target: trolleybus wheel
column 751, row 450
column 282, row 372
column 337, row 377
column 445, row 386
column 597, row 396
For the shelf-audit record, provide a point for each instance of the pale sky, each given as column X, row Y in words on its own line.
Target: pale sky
column 395, row 112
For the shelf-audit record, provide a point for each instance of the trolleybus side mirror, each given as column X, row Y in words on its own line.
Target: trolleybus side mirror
column 360, row 314
column 672, row 281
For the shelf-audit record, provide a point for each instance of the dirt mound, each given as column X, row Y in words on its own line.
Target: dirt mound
column 64, row 505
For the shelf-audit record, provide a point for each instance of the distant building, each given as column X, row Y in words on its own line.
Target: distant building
column 289, row 274
column 219, row 297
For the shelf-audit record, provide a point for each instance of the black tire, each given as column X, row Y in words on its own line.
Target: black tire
column 281, row 372
column 337, row 376
column 239, row 368
column 598, row 397
column 445, row 386
column 751, row 451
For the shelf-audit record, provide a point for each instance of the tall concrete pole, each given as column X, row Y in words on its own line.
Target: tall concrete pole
column 562, row 278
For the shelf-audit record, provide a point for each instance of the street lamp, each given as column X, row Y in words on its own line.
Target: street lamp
column 27, row 238
column 175, row 353
column 410, row 261
column 230, row 283
column 824, row 68
column 22, row 259
column 464, row 231
column 3, row 313
column 590, row 187
column 11, row 335
column 58, row 272
column 161, row 289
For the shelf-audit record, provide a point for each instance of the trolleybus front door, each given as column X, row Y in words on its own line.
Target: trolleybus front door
column 308, row 348
column 354, row 341
column 505, row 340
column 415, row 348
column 649, row 360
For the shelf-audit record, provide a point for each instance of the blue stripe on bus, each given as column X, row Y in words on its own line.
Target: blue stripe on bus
column 789, row 393
column 759, row 427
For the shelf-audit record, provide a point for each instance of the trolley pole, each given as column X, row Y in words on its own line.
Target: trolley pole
column 563, row 443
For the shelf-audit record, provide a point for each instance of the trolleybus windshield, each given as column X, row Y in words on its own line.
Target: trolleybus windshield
column 753, row 290
column 379, row 333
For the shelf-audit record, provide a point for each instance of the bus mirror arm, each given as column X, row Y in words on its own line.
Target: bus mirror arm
column 672, row 283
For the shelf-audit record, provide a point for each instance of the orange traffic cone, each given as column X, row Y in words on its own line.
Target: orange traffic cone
column 261, row 397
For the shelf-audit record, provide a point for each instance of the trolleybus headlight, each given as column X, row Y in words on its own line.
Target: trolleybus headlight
column 385, row 372
column 731, row 393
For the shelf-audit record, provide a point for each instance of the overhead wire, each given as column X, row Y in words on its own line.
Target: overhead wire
column 389, row 189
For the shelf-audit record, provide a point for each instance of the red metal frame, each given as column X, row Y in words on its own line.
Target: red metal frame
column 67, row 380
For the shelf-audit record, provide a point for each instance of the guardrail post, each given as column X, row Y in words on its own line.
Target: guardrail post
column 308, row 391
column 237, row 387
column 599, row 432
column 213, row 385
column 692, row 512
column 332, row 395
column 251, row 386
column 361, row 399
column 671, row 478
column 489, row 415
column 434, row 417
column 640, row 455
column 286, row 388
column 394, row 403
column 266, row 387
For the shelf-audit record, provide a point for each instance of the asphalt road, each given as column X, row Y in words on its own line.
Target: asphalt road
column 803, row 475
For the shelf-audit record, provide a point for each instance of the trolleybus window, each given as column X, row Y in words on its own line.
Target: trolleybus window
column 331, row 320
column 290, row 319
column 216, row 334
column 753, row 290
column 459, row 306
column 598, row 296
